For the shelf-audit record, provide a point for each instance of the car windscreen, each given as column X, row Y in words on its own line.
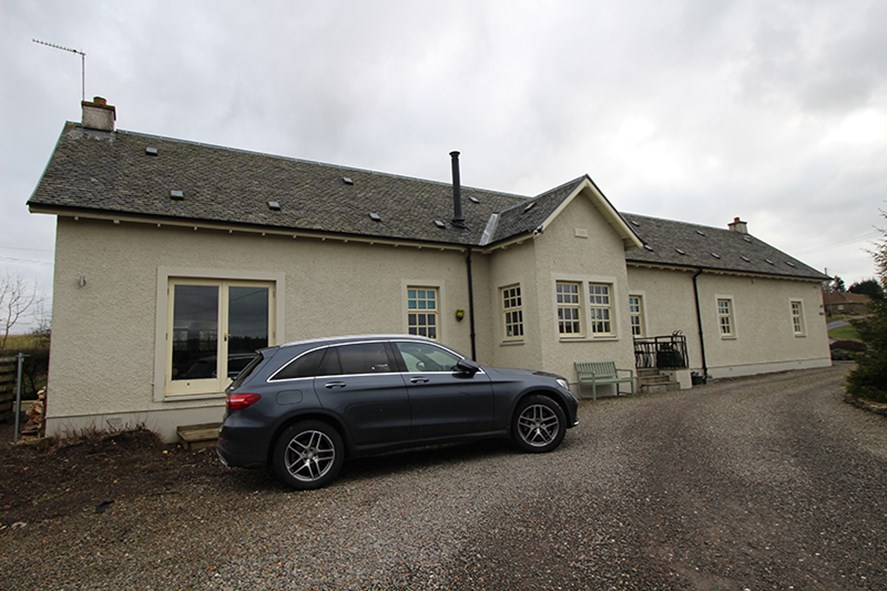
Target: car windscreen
column 246, row 371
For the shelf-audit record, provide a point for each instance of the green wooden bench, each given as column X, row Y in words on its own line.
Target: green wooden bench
column 599, row 373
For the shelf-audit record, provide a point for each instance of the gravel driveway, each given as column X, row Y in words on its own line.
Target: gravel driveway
column 758, row 483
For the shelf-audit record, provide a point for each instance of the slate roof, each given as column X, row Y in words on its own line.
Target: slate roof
column 681, row 244
column 113, row 172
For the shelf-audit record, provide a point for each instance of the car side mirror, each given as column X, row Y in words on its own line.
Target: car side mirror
column 467, row 366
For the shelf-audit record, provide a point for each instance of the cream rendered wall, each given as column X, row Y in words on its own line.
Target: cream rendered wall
column 579, row 245
column 764, row 341
column 102, row 367
column 515, row 265
column 668, row 305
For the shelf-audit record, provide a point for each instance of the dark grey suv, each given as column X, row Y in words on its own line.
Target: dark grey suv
column 302, row 408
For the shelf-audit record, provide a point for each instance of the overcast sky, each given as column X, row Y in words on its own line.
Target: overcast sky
column 696, row 110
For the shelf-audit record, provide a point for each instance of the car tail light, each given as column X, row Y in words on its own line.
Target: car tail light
column 241, row 401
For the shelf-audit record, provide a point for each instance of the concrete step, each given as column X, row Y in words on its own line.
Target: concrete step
column 199, row 436
column 653, row 380
column 646, row 371
column 659, row 388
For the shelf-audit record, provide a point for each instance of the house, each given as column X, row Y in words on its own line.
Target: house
column 175, row 260
column 838, row 302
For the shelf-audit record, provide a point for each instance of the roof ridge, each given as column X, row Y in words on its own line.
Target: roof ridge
column 543, row 194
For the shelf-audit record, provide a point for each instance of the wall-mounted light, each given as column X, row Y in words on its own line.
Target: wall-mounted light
column 460, row 314
column 82, row 281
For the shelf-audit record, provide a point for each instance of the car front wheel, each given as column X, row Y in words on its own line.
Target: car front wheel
column 539, row 424
column 308, row 455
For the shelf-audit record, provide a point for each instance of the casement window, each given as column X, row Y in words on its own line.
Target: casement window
column 636, row 314
column 512, row 312
column 569, row 308
column 600, row 309
column 213, row 330
column 423, row 311
column 797, row 307
column 726, row 322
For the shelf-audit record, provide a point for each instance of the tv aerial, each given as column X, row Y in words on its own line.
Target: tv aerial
column 82, row 63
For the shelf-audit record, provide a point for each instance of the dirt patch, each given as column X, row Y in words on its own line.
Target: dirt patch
column 90, row 473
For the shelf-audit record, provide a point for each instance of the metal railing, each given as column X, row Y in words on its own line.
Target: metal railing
column 669, row 352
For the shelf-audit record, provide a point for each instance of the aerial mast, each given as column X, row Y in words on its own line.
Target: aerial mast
column 82, row 63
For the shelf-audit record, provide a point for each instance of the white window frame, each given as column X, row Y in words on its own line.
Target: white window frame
column 578, row 306
column 165, row 390
column 638, row 315
column 601, row 309
column 511, row 300
column 428, row 286
column 799, row 324
column 726, row 319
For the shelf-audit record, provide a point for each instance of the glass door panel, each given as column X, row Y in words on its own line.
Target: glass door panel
column 195, row 334
column 247, row 325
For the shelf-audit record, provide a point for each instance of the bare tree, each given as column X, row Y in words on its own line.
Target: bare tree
column 18, row 302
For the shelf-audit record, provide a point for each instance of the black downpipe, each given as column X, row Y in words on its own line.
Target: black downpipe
column 471, row 305
column 699, row 323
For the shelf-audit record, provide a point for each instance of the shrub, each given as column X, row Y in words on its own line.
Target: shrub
column 869, row 378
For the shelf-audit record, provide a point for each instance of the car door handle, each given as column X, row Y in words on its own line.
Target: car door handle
column 418, row 380
column 331, row 385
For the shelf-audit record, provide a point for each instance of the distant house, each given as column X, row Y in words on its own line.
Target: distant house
column 845, row 302
column 175, row 260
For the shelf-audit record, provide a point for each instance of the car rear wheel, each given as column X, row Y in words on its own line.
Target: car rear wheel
column 539, row 424
column 308, row 455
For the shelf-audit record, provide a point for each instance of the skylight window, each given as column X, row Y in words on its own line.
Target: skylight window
column 375, row 216
column 700, row 232
column 529, row 207
column 473, row 199
column 745, row 258
column 768, row 261
column 347, row 180
column 177, row 194
column 746, row 238
column 648, row 247
column 679, row 251
column 274, row 205
column 789, row 263
column 715, row 255
column 439, row 224
column 151, row 151
column 635, row 223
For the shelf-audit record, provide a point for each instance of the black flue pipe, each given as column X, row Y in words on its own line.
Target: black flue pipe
column 458, row 219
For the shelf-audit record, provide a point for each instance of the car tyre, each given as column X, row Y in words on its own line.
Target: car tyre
column 308, row 455
column 539, row 424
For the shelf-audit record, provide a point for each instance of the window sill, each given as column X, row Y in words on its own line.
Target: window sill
column 511, row 343
column 585, row 339
column 800, row 336
column 728, row 337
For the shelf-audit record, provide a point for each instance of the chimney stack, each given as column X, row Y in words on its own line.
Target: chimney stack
column 738, row 225
column 98, row 114
column 458, row 219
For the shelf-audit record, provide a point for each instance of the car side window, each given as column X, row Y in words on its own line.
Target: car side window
column 363, row 358
column 305, row 366
column 419, row 357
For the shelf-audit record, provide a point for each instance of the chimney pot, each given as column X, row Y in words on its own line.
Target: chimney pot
column 98, row 114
